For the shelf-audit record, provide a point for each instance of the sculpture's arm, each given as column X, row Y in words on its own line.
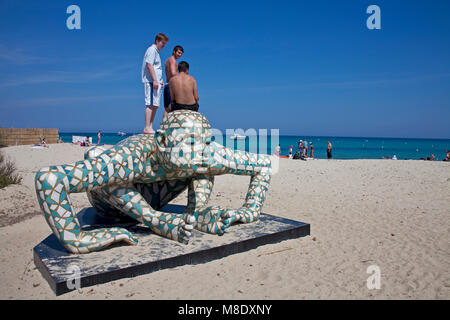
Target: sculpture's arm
column 55, row 183
column 208, row 219
column 199, row 191
column 259, row 183
column 129, row 201
column 258, row 166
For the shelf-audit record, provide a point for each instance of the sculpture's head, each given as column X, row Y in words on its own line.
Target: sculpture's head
column 183, row 141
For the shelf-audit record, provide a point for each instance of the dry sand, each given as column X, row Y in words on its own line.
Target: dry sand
column 393, row 214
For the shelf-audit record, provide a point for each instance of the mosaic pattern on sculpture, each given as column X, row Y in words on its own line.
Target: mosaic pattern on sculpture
column 141, row 174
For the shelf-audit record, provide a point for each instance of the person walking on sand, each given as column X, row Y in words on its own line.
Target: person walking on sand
column 99, row 136
column 152, row 79
column 290, row 152
column 329, row 155
column 171, row 67
column 311, row 150
column 183, row 90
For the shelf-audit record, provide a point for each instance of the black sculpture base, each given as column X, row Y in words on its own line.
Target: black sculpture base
column 152, row 252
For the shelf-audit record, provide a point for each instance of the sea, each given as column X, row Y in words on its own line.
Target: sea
column 342, row 147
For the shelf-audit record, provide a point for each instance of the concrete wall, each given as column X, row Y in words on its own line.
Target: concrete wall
column 27, row 136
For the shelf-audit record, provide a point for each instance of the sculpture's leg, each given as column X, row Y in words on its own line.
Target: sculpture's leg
column 94, row 152
column 100, row 200
column 53, row 186
column 156, row 194
column 132, row 203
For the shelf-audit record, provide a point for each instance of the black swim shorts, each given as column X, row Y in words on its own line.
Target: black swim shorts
column 178, row 106
column 166, row 96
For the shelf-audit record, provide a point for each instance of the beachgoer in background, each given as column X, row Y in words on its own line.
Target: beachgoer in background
column 86, row 142
column 447, row 158
column 311, row 150
column 99, row 136
column 171, row 67
column 300, row 154
column 183, row 90
column 152, row 79
column 306, row 146
column 301, row 148
column 329, row 148
column 278, row 151
column 432, row 156
column 43, row 142
column 290, row 152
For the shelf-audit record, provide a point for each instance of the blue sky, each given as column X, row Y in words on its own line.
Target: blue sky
column 305, row 67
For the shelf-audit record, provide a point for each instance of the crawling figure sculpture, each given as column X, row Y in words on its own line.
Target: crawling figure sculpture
column 141, row 174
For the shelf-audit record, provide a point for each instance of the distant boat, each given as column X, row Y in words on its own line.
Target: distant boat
column 237, row 136
column 121, row 133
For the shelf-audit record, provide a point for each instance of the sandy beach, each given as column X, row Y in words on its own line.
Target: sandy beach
column 392, row 214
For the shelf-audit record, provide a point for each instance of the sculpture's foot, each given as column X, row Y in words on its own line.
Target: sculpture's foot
column 89, row 241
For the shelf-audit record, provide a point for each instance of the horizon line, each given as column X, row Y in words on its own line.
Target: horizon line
column 284, row 135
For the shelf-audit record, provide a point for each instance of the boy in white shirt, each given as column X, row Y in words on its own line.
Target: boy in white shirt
column 152, row 79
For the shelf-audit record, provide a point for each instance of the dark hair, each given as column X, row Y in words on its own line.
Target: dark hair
column 183, row 66
column 178, row 48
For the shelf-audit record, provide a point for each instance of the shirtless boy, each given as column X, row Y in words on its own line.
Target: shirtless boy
column 171, row 69
column 183, row 89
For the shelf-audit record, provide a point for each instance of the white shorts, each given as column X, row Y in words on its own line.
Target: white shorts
column 152, row 96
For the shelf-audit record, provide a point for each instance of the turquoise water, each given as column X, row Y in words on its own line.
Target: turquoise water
column 343, row 147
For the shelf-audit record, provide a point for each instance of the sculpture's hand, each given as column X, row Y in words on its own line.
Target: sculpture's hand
column 215, row 219
column 247, row 215
column 180, row 228
column 230, row 216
